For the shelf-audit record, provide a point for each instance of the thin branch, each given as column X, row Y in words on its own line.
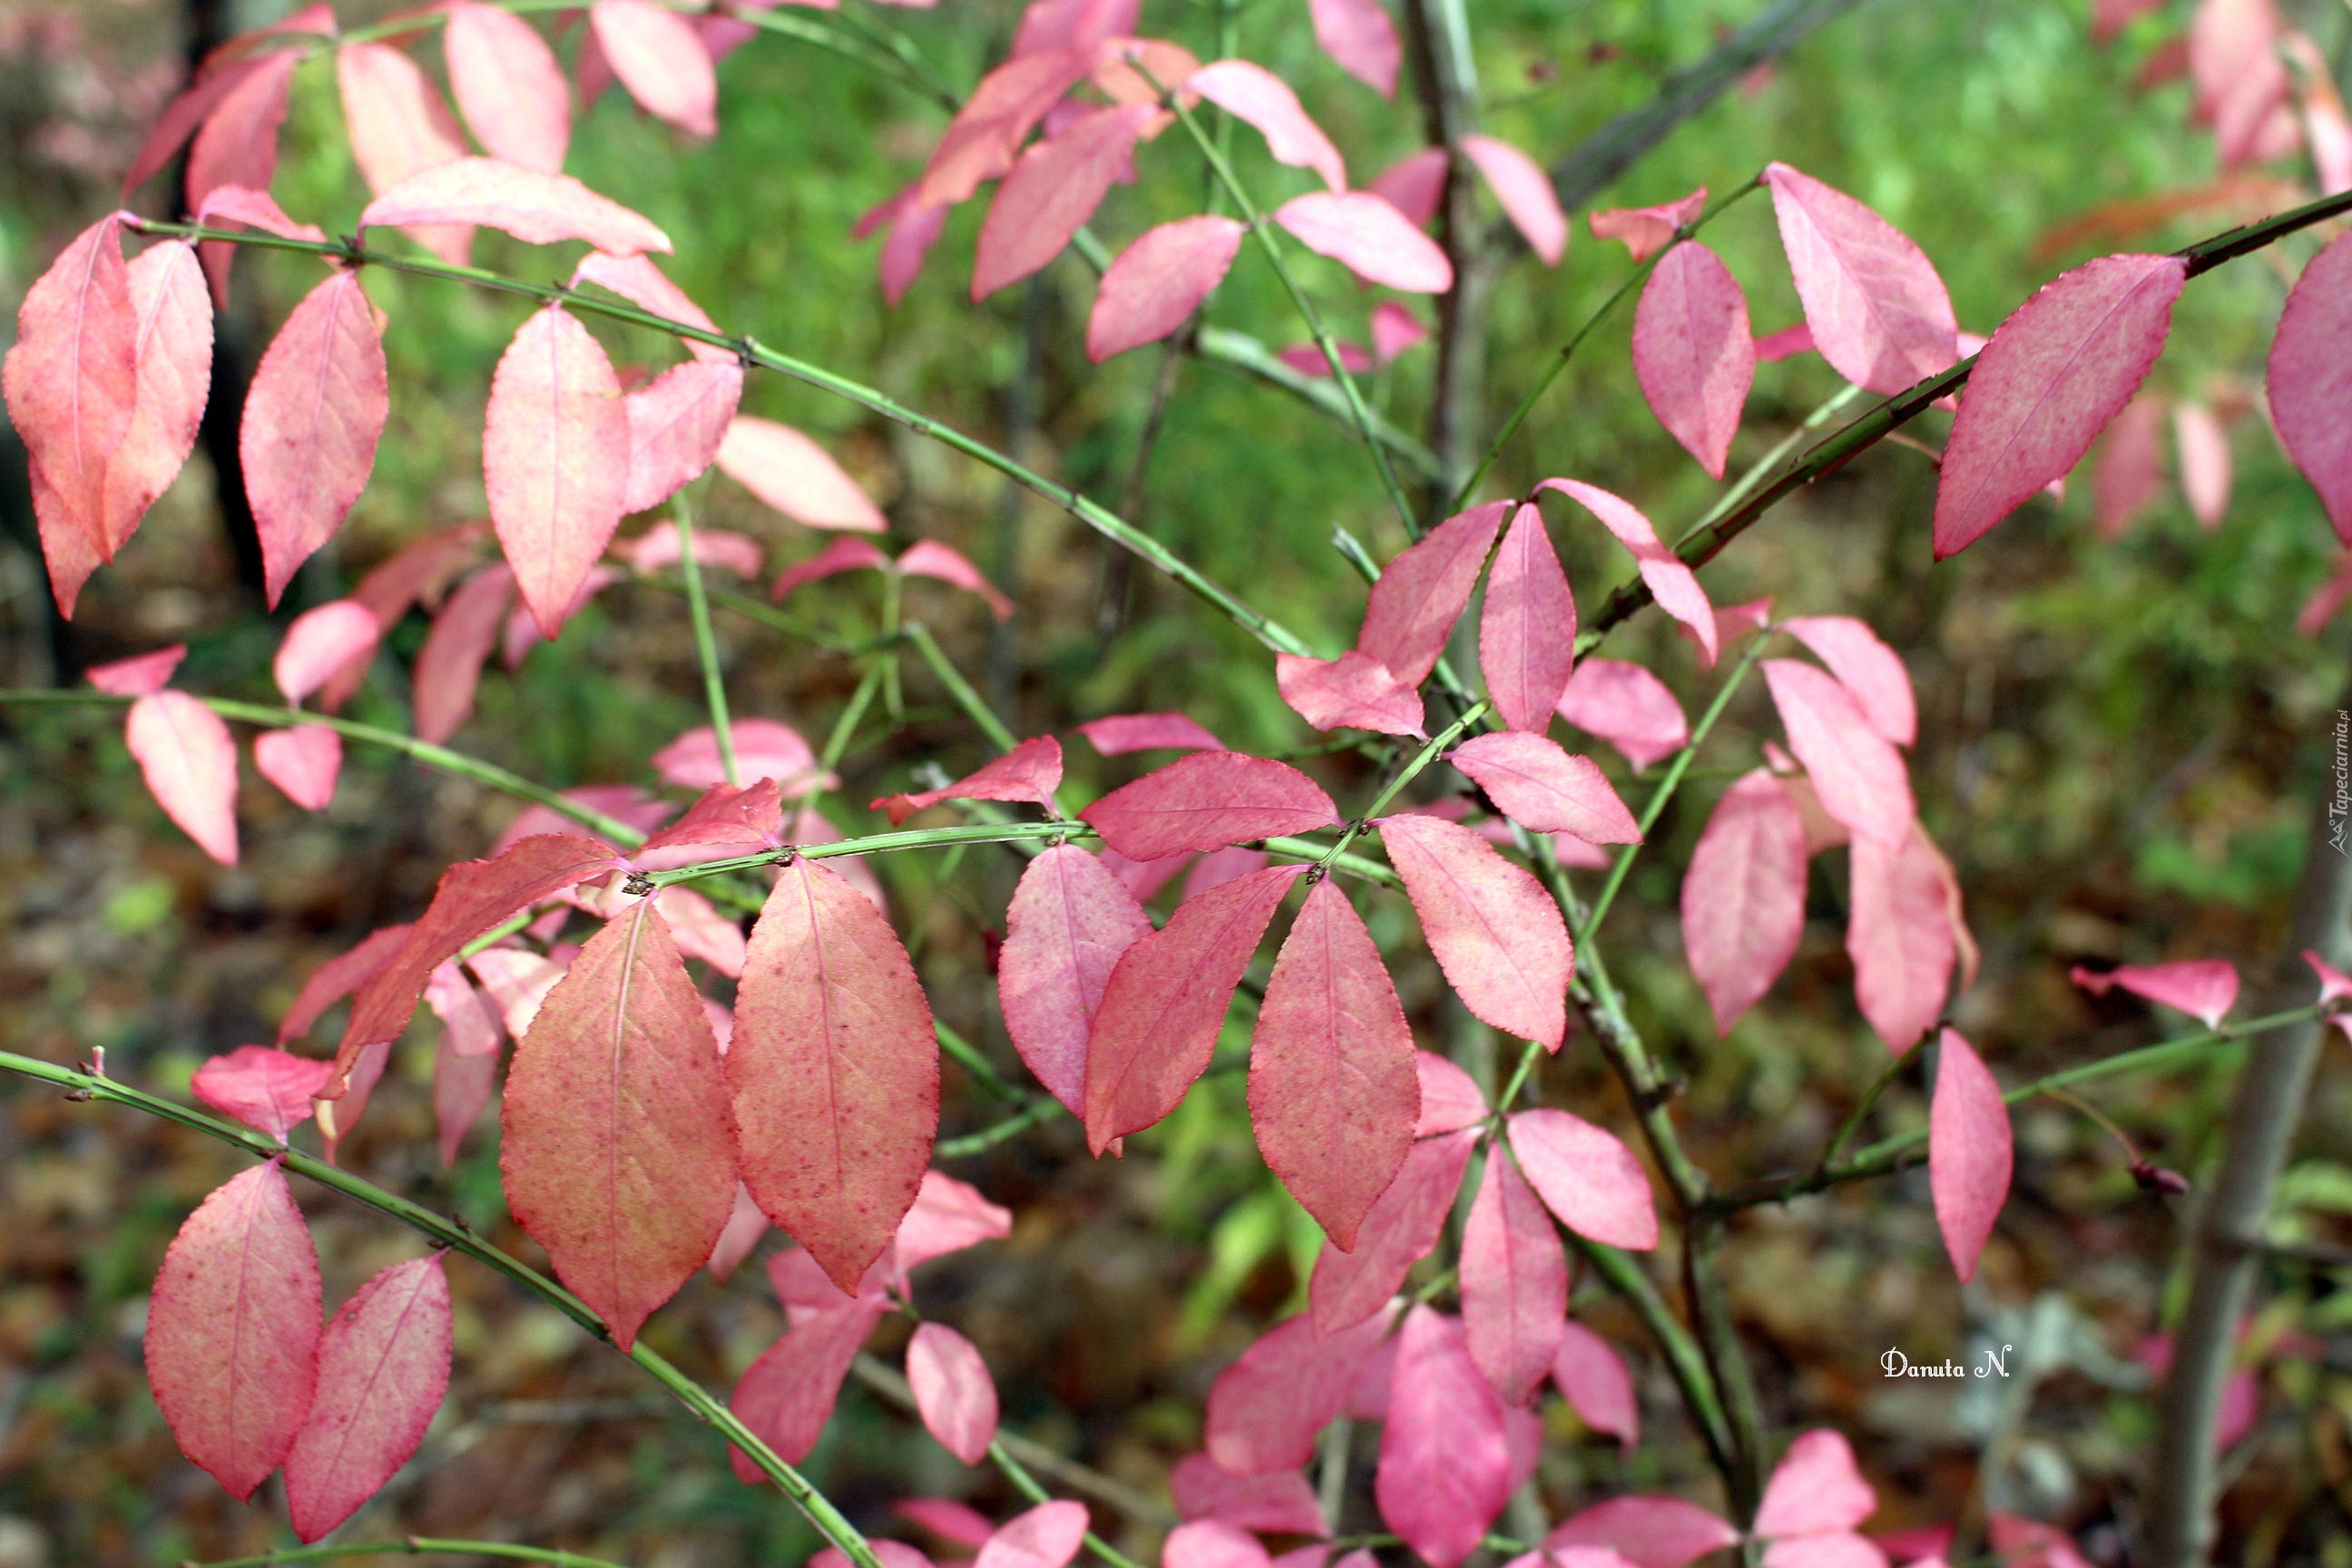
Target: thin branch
column 961, row 689
column 1222, row 345
column 410, row 1545
column 706, row 645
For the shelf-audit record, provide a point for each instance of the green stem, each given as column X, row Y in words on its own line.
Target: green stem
column 1027, row 1484
column 411, row 1545
column 984, row 1072
column 1868, row 1102
column 1043, row 1108
column 1529, row 1056
column 1225, row 346
column 1405, row 776
column 873, row 843
column 1625, row 1274
column 706, row 646
column 1837, row 403
column 961, row 689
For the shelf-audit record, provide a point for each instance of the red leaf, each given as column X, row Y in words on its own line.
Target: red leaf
column 2204, row 988
column 1354, row 690
column 1858, row 771
column 1597, row 1384
column 267, row 1089
column 1216, row 1544
column 1256, row 96
column 539, row 208
column 1693, row 352
column 1495, row 931
column 1878, row 311
column 786, row 1396
column 1368, row 236
column 1626, row 706
column 137, row 675
column 189, row 761
column 675, row 424
column 1969, row 1155
column 72, row 379
column 1207, row 800
column 1347, row 1287
column 303, row 761
column 794, row 475
column 472, row 897
column 2310, row 380
column 1360, row 40
column 1069, row 921
column 1123, row 732
column 237, row 145
column 1046, row 1536
column 835, row 1070
column 555, row 459
column 1422, row 592
column 174, row 351
column 1051, row 191
column 384, row 1366
column 1157, row 282
column 1872, row 672
column 1743, row 898
column 1786, row 343
column 1525, row 192
column 399, row 127
column 1167, row 999
column 1671, row 582
column 1815, row 1489
column 1267, row 1408
column 1031, row 770
column 981, row 142
column 1544, row 789
column 509, row 84
column 1527, row 632
column 930, row 558
column 320, row 642
column 1647, row 230
column 2056, row 373
column 753, row 815
column 339, row 977
column 953, row 1392
column 1280, row 1502
column 1513, row 1282
column 1650, row 1531
column 1450, row 1099
column 231, row 1329
column 1446, row 1466
column 661, row 61
column 1333, row 1094
column 844, row 555
column 1416, row 185
column 1587, row 1177
column 312, row 422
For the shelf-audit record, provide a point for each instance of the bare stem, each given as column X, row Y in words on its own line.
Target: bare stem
column 706, row 645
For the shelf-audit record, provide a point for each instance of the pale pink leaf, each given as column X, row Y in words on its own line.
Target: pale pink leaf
column 312, row 418
column 658, row 547
column 1496, row 932
column 339, row 977
column 174, row 352
column 638, row 280
column 1446, row 1466
column 1046, row 1536
column 1256, row 96
column 448, row 667
column 2130, row 472
column 1423, row 591
column 764, row 749
column 946, row 563
column 517, row 981
column 1786, row 343
column 661, row 61
column 189, row 761
column 1858, row 771
column 462, row 1086
column 1899, row 935
column 237, row 145
column 1166, row 1001
column 1068, row 921
column 1878, row 311
column 1218, row 867
column 1048, row 25
column 1267, row 1408
column 230, row 205
column 1872, row 672
column 1157, row 282
column 384, row 1366
column 675, row 423
column 1207, row 800
column 2241, row 82
column 1649, row 1531
column 1031, row 770
column 232, row 1327
column 1144, row 878
column 267, row 1089
column 555, row 460
column 1347, row 1287
column 1513, row 1282
column 509, row 84
column 1525, row 192
column 320, row 642
column 398, row 127
column 533, row 205
column 1416, row 185
column 1360, row 40
column 701, row 931
column 1280, row 1501
column 2061, row 366
column 794, row 475
column 1309, row 360
column 1053, row 190
column 1526, row 631
column 2333, row 983
column 1123, row 732
column 889, row 1553
column 1368, row 236
column 2310, row 380
column 745, row 1228
column 1354, row 691
column 1597, row 1383
column 1670, row 579
column 953, row 1392
column 847, row 553
column 957, row 1524
column 1394, row 330
column 1626, row 706
column 181, row 118
column 1214, row 1543
column 302, row 760
column 2205, row 471
column 2204, row 988
column 137, row 675
column 982, row 140
column 948, row 1216
column 468, row 1024
column 1544, row 789
column 1815, row 1489
column 1743, row 901
column 1968, row 1153
column 1647, row 230
column 1693, row 353
column 786, row 1396
column 1587, row 1177
column 1450, row 1097
column 1834, row 1549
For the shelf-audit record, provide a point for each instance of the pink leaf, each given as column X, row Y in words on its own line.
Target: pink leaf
column 1049, row 25
column 1360, row 40
column 1525, row 192
column 1445, row 1469
column 1670, row 581
column 536, row 207
column 1513, row 1282
column 1348, row 1287
column 1900, row 934
column 509, row 86
column 1218, row 867
column 1627, row 706
column 1123, row 732
column 189, row 761
column 930, row 558
column 303, row 761
column 675, row 423
column 399, row 127
column 847, row 553
column 2310, row 380
column 1144, row 878
column 1423, row 591
column 1587, row 1177
column 1544, row 789
column 658, row 547
column 229, row 206
column 1354, row 690
column 1309, row 360
column 1207, row 800
column 1647, row 230
column 1167, row 998
column 181, row 117
column 1878, row 311
column 1031, row 770
column 835, row 1070
column 237, row 145
column 1693, row 353
column 1872, row 672
column 1450, row 1099
column 1216, row 1543
column 2056, row 371
column 1416, row 185
column 1649, row 1531
column 1069, row 921
column 1046, row 1536
column 339, row 977
column 1394, row 330
column 137, row 675
column 2240, row 78
column 1968, row 1155
column 1786, row 343
column 320, row 642
column 517, row 982
column 1858, row 771
column 1053, row 190
column 750, row 816
column 2204, row 988
column 637, row 279
column 1495, row 933
column 1368, row 236
column 661, row 61
column 764, row 749
column 2333, row 983
column 786, row 1396
column 792, row 474
column 462, row 1085
column 312, row 422
column 1815, row 1489
column 467, row 1024
column 173, row 352
column 231, row 1329
column 1280, row 1502
column 555, row 460
column 982, row 141
column 2130, row 473
column 953, row 1392
column 1597, row 1383
column 957, row 1524
column 1333, row 1095
column 948, row 1216
column 449, row 665
column 1157, row 282
column 269, row 1090
column 384, row 1366
column 1743, row 902
column 1255, row 95
column 701, row 931
column 2204, row 448
column 1527, row 632
column 1267, row 1408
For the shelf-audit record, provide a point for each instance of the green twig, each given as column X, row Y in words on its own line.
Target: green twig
column 706, row 646
column 961, row 689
